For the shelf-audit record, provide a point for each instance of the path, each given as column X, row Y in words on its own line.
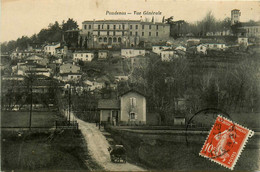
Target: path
column 97, row 146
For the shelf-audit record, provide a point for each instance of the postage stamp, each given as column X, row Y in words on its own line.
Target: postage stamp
column 225, row 142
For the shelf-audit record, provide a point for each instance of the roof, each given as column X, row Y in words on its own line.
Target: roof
column 108, row 104
column 122, row 21
column 247, row 24
column 132, row 90
column 66, row 74
column 83, row 52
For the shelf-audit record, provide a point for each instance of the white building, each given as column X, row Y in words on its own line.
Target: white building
column 182, row 48
column 83, row 56
column 167, row 55
column 51, row 48
column 128, row 53
column 102, row 54
column 216, row 46
column 242, row 41
column 158, row 49
column 202, row 48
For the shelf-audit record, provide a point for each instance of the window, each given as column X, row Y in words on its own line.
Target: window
column 130, row 33
column 89, row 26
column 99, row 26
column 150, row 26
column 71, row 77
column 132, row 115
column 119, row 39
column 114, row 39
column 156, row 33
column 133, row 102
column 131, row 27
column 88, row 33
column 105, row 39
column 108, row 26
column 86, row 55
column 77, row 76
column 98, row 33
column 81, row 55
column 123, row 33
column 136, row 26
column 142, row 33
column 150, row 33
column 157, row 27
column 140, row 52
column 85, row 27
column 114, row 33
column 123, row 26
column 142, row 26
column 107, row 32
column 100, row 39
column 102, row 26
column 114, row 26
column 136, row 33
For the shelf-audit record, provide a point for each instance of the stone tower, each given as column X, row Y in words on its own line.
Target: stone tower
column 235, row 16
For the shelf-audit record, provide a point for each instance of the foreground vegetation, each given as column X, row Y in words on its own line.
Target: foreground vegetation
column 57, row 150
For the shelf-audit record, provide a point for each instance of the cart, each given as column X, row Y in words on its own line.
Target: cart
column 117, row 153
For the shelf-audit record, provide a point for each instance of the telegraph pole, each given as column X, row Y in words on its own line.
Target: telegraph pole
column 69, row 102
column 30, row 119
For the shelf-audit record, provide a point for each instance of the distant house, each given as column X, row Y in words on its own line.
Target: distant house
column 83, row 56
column 102, row 54
column 109, row 110
column 37, row 59
column 62, row 50
column 193, row 42
column 121, row 78
column 93, row 85
column 167, row 55
column 242, row 41
column 51, row 48
column 128, row 53
column 158, row 49
column 130, row 109
column 179, row 120
column 182, row 48
column 70, row 77
column 202, row 49
column 216, row 46
column 21, row 54
column 13, row 77
column 69, row 68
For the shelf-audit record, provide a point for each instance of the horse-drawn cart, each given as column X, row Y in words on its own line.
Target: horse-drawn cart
column 117, row 153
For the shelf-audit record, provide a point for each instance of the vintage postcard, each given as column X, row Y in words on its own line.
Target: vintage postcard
column 130, row 85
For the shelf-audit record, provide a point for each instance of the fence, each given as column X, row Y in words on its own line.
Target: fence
column 67, row 125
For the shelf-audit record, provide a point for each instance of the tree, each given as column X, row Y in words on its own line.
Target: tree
column 70, row 24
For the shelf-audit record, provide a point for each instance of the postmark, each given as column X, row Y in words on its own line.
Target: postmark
column 225, row 142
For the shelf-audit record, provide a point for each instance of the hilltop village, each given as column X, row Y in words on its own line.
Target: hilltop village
column 168, row 70
column 71, row 96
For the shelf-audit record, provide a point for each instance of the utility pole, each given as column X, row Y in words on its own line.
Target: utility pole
column 69, row 102
column 30, row 119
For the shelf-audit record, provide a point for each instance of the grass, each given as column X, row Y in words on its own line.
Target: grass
column 57, row 150
column 21, row 119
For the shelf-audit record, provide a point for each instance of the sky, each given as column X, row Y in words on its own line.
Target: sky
column 27, row 17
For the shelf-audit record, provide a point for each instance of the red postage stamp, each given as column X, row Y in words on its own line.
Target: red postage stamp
column 225, row 142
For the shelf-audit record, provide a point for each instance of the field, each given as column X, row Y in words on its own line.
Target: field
column 45, row 151
column 21, row 119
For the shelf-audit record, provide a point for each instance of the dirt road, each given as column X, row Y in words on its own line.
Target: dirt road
column 97, row 145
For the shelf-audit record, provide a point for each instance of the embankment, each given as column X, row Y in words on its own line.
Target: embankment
column 177, row 150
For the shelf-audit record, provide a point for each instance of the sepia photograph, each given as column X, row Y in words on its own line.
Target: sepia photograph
column 130, row 85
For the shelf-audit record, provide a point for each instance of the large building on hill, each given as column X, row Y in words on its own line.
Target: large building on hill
column 247, row 29
column 121, row 33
